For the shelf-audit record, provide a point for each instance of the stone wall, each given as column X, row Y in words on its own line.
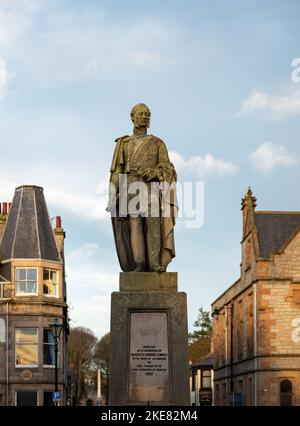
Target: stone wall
column 266, row 322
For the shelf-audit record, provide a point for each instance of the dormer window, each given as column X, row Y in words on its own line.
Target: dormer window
column 26, row 281
column 49, row 282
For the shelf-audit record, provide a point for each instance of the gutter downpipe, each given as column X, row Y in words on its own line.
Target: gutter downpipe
column 6, row 337
column 231, row 353
column 255, row 344
column 226, row 349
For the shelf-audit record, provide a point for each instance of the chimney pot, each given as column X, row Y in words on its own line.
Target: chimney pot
column 58, row 222
column 9, row 207
column 4, row 208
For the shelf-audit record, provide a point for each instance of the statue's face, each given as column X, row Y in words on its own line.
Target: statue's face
column 141, row 117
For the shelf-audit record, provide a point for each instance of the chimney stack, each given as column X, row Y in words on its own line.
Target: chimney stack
column 3, row 217
column 58, row 222
column 59, row 236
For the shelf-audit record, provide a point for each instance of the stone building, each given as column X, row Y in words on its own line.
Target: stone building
column 256, row 327
column 32, row 294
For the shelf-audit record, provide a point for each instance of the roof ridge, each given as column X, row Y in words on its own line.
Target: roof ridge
column 17, row 223
column 37, row 224
column 59, row 256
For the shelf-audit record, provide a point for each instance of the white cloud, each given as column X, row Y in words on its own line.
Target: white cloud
column 95, row 45
column 126, row 58
column 203, row 166
column 92, row 68
column 5, row 77
column 90, row 275
column 145, row 57
column 15, row 18
column 89, row 290
column 279, row 106
column 83, row 40
column 85, row 250
column 92, row 310
column 86, row 207
column 7, row 190
column 269, row 155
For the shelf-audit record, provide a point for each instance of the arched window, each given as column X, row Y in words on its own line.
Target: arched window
column 286, row 393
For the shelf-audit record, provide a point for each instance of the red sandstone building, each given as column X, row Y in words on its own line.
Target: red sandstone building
column 256, row 327
column 32, row 294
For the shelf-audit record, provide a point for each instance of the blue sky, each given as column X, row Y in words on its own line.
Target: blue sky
column 217, row 78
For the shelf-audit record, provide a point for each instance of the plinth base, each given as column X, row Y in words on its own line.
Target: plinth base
column 149, row 347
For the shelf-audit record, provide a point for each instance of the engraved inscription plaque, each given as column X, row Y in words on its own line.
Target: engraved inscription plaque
column 149, row 358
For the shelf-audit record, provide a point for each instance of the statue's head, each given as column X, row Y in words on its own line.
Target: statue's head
column 140, row 116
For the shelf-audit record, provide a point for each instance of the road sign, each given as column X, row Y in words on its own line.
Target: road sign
column 56, row 396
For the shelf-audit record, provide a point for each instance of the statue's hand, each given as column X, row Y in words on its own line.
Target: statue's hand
column 149, row 175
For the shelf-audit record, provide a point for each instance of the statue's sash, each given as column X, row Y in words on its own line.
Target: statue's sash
column 141, row 153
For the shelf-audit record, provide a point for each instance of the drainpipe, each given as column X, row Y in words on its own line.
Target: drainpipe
column 226, row 350
column 255, row 342
column 6, row 338
column 231, row 351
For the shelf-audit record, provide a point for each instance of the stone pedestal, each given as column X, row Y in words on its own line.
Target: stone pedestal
column 149, row 348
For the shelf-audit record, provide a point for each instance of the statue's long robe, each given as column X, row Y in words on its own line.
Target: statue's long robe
column 153, row 154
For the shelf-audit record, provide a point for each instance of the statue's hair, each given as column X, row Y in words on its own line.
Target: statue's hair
column 136, row 107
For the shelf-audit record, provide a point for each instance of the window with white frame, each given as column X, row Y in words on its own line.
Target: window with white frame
column 50, row 282
column 49, row 348
column 26, row 281
column 26, row 347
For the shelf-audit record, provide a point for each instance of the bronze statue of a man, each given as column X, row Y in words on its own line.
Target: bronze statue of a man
column 140, row 172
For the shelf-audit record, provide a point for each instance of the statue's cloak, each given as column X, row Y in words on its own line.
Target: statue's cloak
column 166, row 172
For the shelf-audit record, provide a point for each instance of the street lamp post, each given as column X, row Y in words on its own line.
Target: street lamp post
column 56, row 329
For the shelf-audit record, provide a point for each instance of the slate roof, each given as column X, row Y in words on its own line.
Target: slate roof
column 205, row 362
column 275, row 229
column 28, row 233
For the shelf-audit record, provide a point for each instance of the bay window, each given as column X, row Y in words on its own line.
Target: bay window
column 26, row 281
column 49, row 348
column 49, row 282
column 26, row 347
